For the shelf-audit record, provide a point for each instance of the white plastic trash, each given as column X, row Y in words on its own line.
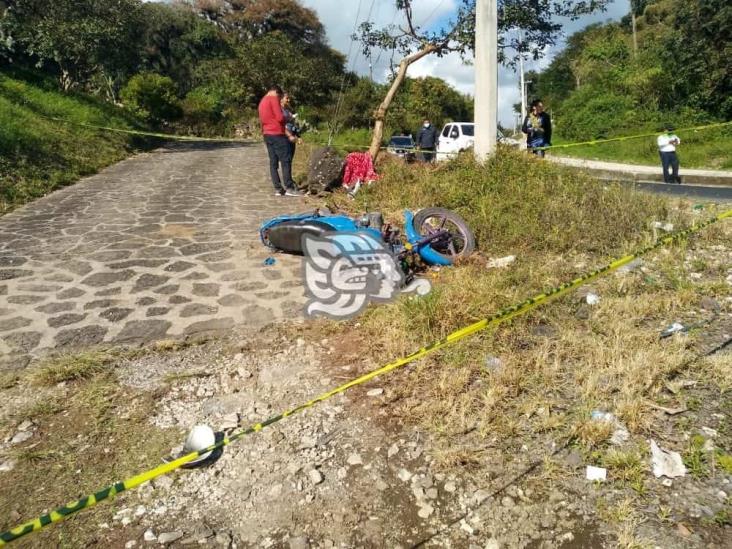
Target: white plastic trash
column 666, row 463
column 592, row 299
column 596, row 473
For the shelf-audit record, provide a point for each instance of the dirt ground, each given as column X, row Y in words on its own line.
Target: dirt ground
column 351, row 472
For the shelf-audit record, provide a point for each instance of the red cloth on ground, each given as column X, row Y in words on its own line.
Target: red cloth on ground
column 271, row 115
column 359, row 167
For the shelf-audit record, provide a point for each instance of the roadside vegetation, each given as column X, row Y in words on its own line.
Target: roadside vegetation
column 706, row 149
column 537, row 379
column 611, row 81
column 38, row 154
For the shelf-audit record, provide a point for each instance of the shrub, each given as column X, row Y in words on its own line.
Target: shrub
column 152, row 97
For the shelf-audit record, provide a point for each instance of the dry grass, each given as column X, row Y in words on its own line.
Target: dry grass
column 71, row 367
column 86, row 433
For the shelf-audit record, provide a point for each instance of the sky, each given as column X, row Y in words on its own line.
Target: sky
column 339, row 17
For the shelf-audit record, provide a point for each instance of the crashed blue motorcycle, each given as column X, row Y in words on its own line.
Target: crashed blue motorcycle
column 433, row 236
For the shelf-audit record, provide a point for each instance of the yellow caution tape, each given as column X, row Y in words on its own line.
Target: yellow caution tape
column 628, row 137
column 355, row 146
column 502, row 316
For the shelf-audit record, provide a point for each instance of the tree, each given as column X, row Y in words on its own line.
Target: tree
column 536, row 18
column 78, row 37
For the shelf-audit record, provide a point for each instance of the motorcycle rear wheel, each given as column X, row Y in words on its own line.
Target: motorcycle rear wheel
column 461, row 240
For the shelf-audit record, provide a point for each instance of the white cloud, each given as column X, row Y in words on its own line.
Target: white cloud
column 339, row 16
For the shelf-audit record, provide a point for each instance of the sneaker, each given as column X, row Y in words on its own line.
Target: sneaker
column 292, row 192
column 279, row 193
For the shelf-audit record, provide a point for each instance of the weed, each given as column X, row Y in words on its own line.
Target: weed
column 695, row 456
column 627, row 467
column 725, row 462
column 72, row 367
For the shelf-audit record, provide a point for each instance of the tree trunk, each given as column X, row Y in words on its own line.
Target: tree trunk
column 380, row 113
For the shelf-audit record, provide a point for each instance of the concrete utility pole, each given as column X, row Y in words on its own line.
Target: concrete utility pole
column 486, row 78
column 523, row 82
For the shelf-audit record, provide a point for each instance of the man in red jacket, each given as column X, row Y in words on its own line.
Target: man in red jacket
column 278, row 144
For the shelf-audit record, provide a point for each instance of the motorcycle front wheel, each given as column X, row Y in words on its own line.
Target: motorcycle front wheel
column 459, row 240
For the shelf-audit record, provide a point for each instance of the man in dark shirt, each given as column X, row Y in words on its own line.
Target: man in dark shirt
column 278, row 144
column 426, row 141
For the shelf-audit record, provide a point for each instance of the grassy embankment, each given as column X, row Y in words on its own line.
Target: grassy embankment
column 563, row 360
column 707, row 149
column 39, row 155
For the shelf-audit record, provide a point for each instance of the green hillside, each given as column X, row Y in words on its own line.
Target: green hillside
column 37, row 154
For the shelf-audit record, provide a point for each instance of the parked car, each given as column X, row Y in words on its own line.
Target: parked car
column 460, row 136
column 402, row 146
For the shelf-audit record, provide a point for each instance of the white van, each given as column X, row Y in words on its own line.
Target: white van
column 460, row 136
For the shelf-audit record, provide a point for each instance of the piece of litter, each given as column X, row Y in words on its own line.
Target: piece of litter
column 493, row 363
column 667, row 482
column 675, row 328
column 666, row 463
column 596, row 473
column 620, row 435
column 501, row 262
column 375, row 392
column 713, row 433
column 669, row 411
column 592, row 299
column 270, row 261
column 667, row 227
column 676, row 386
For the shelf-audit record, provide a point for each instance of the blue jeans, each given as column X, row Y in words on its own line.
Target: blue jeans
column 670, row 164
column 280, row 152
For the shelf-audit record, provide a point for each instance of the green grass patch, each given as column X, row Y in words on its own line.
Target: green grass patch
column 38, row 154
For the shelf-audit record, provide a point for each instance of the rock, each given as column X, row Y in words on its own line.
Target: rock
column 709, row 304
column 230, row 421
column 450, row 486
column 492, row 544
column 130, row 544
column 382, row 486
column 431, row 493
column 300, row 542
column 169, row 537
column 21, row 437
column 149, row 535
column 574, row 459
column 375, row 392
column 163, row 483
column 404, row 475
column 393, row 450
column 508, row 502
column 7, row 465
column 25, row 425
column 425, row 511
column 683, row 531
column 315, row 476
column 223, row 539
column 342, row 473
column 354, row 459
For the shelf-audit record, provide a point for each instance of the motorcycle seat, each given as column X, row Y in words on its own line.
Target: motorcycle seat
column 287, row 236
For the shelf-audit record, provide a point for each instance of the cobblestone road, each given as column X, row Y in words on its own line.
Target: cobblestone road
column 163, row 245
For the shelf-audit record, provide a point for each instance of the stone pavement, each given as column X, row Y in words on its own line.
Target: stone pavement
column 162, row 245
